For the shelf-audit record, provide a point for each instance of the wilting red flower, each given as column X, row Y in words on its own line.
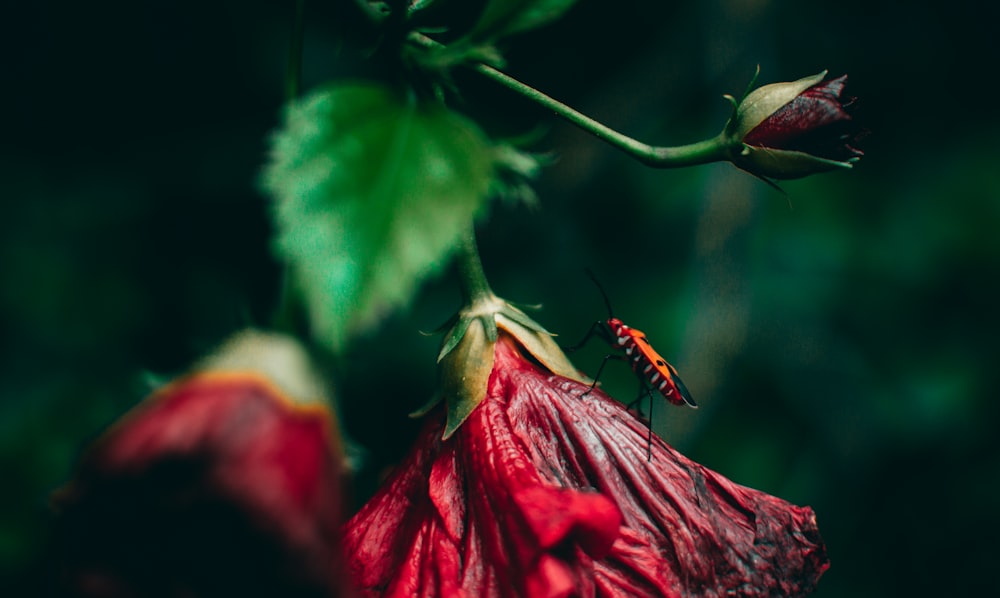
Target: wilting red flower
column 794, row 129
column 545, row 491
column 218, row 484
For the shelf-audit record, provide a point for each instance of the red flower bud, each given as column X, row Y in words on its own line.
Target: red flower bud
column 545, row 491
column 217, row 484
column 790, row 130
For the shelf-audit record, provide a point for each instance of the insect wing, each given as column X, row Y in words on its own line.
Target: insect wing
column 674, row 391
column 682, row 390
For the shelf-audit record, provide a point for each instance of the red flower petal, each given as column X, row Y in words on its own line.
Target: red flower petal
column 544, row 492
column 216, row 484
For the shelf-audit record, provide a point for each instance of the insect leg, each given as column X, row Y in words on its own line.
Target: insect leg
column 597, row 376
column 595, row 328
column 647, row 390
column 649, row 425
column 644, row 391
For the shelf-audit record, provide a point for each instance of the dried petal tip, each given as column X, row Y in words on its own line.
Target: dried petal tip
column 794, row 129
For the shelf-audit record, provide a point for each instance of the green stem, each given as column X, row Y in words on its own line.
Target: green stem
column 293, row 71
column 702, row 152
column 716, row 149
column 287, row 316
column 471, row 277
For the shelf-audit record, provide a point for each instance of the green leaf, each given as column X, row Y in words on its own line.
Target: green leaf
column 506, row 17
column 372, row 191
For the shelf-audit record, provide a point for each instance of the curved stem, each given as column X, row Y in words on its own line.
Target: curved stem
column 716, row 149
column 471, row 277
column 702, row 152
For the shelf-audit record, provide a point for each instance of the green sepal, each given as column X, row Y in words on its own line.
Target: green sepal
column 465, row 374
column 764, row 101
column 538, row 342
column 465, row 360
column 785, row 164
column 731, row 123
column 513, row 312
column 490, row 326
column 445, row 326
column 453, row 337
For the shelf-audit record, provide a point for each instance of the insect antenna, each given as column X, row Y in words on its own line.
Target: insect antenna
column 597, row 283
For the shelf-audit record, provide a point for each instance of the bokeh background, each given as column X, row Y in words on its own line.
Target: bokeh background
column 840, row 337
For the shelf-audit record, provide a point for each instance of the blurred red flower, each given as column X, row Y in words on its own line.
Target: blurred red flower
column 218, row 484
column 545, row 492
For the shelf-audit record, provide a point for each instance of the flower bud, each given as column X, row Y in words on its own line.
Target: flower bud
column 794, row 129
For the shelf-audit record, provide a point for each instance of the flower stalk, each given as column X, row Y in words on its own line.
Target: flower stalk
column 471, row 278
column 717, row 149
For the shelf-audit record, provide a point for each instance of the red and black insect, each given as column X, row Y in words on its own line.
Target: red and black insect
column 653, row 371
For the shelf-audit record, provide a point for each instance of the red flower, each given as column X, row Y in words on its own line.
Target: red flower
column 790, row 130
column 217, row 484
column 545, row 491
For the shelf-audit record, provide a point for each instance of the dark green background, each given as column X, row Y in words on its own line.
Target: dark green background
column 840, row 339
